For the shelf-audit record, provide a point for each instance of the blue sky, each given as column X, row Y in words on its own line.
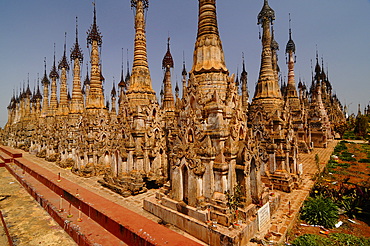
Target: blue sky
column 339, row 28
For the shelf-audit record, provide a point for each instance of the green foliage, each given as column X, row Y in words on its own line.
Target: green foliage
column 234, row 200
column 311, row 240
column 340, row 147
column 354, row 199
column 333, row 164
column 364, row 160
column 341, row 128
column 362, row 126
column 334, row 239
column 320, row 211
column 349, row 135
column 342, row 239
column 346, row 156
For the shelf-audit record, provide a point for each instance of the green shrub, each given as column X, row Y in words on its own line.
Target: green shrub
column 342, row 239
column 347, row 156
column 364, row 160
column 334, row 239
column 340, row 147
column 345, row 165
column 349, row 135
column 311, row 240
column 320, row 211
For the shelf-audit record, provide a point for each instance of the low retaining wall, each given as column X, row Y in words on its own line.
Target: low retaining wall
column 10, row 241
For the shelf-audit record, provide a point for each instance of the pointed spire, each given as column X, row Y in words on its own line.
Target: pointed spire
column 237, row 78
column 33, row 96
column 177, row 89
column 323, row 75
column 64, row 63
column 113, row 92
column 128, row 76
column 93, row 33
column 184, row 73
column 87, row 79
column 122, row 83
column 28, row 90
column 53, row 72
column 140, row 80
column 266, row 13
column 95, row 99
column 168, row 102
column 167, row 60
column 76, row 52
column 244, row 72
column 45, row 80
column 290, row 45
column 244, row 81
column 317, row 67
column 38, row 92
column 274, row 44
column 267, row 86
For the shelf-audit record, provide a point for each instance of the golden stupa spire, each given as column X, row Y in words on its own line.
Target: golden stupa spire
column 168, row 102
column 267, row 86
column 45, row 83
column 77, row 103
column 208, row 53
column 95, row 99
column 53, row 97
column 64, row 67
column 140, row 87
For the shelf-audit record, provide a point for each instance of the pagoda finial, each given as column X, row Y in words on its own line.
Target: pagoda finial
column 87, row 79
column 266, row 13
column 290, row 27
column 113, row 92
column 274, row 44
column 145, row 3
column 76, row 51
column 63, row 63
column 53, row 72
column 243, row 71
column 290, row 47
column 177, row 89
column 122, row 83
column 167, row 60
column 45, row 79
column 38, row 92
column 184, row 73
column 28, row 91
column 128, row 76
column 93, row 33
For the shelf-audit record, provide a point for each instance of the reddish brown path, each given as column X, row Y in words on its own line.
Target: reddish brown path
column 103, row 221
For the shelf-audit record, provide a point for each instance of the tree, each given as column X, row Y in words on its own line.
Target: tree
column 234, row 200
column 362, row 125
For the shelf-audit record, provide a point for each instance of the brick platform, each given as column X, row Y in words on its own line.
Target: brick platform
column 103, row 221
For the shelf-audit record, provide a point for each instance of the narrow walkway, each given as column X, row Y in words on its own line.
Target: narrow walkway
column 285, row 217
